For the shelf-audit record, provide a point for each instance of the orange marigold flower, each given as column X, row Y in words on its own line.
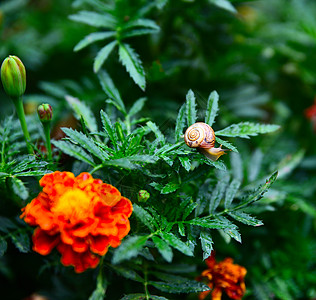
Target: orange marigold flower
column 310, row 113
column 80, row 216
column 223, row 276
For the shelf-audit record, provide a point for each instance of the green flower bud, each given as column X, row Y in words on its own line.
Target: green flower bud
column 143, row 196
column 13, row 76
column 45, row 112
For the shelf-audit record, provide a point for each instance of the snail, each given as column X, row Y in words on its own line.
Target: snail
column 201, row 135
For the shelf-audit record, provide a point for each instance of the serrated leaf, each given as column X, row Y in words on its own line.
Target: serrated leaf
column 224, row 4
column 94, row 19
column 93, row 37
column 169, row 188
column 137, row 32
column 190, row 108
column 176, row 243
column 84, row 111
column 3, row 247
column 188, row 286
column 142, row 297
column 212, row 108
column 207, row 223
column 181, row 229
column 108, row 128
column 102, row 55
column 145, row 217
column 217, row 164
column 86, row 142
column 120, row 163
column 32, row 173
column 188, row 210
column 110, row 89
column 245, row 218
column 289, row 163
column 74, row 151
column 137, row 106
column 154, row 128
column 236, row 166
column 218, row 192
column 128, row 273
column 129, row 248
column 21, row 242
column 142, row 23
column 226, row 144
column 133, row 64
column 231, row 191
column 255, row 164
column 180, row 123
column 246, row 129
column 206, row 243
column 17, row 186
column 163, row 248
column 185, row 162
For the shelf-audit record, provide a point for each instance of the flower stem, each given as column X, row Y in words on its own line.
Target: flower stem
column 18, row 103
column 46, row 126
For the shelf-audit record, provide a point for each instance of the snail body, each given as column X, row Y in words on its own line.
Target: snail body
column 201, row 135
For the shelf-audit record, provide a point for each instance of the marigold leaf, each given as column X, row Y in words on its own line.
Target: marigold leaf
column 93, row 37
column 102, row 55
column 255, row 164
column 217, row 164
column 133, row 64
column 246, row 129
column 163, row 248
column 188, row 286
column 145, row 217
column 154, row 128
column 142, row 297
column 180, row 123
column 110, row 89
column 94, row 19
column 185, row 162
column 224, row 4
column 108, row 128
column 245, row 218
column 81, row 109
column 142, row 23
column 231, row 191
column 181, row 229
column 129, row 248
column 18, row 188
column 137, row 106
column 21, row 242
column 206, row 243
column 218, row 191
column 188, row 210
column 137, row 32
column 6, row 224
column 128, row 273
column 190, row 108
column 74, row 151
column 212, row 108
column 207, row 223
column 176, row 243
column 3, row 247
column 169, row 188
column 226, row 144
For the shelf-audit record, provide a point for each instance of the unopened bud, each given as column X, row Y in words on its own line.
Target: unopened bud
column 13, row 76
column 143, row 196
column 45, row 112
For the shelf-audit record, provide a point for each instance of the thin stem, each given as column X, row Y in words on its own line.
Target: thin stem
column 20, row 111
column 46, row 126
column 146, row 282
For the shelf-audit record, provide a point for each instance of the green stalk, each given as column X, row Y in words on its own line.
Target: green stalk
column 18, row 103
column 46, row 126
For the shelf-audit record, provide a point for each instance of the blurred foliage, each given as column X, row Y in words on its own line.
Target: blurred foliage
column 260, row 56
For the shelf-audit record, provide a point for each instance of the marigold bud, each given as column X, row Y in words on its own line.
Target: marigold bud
column 13, row 76
column 45, row 112
column 143, row 196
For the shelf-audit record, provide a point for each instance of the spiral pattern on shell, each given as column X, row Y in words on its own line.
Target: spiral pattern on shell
column 200, row 135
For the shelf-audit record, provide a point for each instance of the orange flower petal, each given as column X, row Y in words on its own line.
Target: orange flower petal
column 44, row 243
column 99, row 244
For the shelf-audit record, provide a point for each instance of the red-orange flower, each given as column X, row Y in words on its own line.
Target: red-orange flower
column 223, row 276
column 310, row 113
column 80, row 216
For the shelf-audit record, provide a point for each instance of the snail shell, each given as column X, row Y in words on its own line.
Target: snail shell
column 201, row 135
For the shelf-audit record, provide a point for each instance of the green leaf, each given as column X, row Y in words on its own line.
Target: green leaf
column 142, row 23
column 218, row 191
column 134, row 297
column 245, row 218
column 181, row 229
column 93, row 37
column 176, row 243
column 212, row 108
column 188, row 210
column 217, row 164
column 128, row 273
column 86, row 142
column 226, row 144
column 145, row 217
column 188, row 286
column 246, row 129
column 231, row 191
column 169, row 188
column 94, row 19
column 258, row 193
column 132, row 64
column 3, row 247
column 110, row 89
column 289, row 163
column 129, row 248
column 236, row 166
column 190, row 108
column 206, row 243
column 224, row 4
column 21, row 242
column 137, row 106
column 6, row 225
column 180, row 123
column 154, row 128
column 136, row 32
column 163, row 248
column 102, row 55
column 185, row 162
column 83, row 110
column 17, row 187
column 255, row 164
column 207, row 223
column 74, row 151
column 108, row 128
column 99, row 292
